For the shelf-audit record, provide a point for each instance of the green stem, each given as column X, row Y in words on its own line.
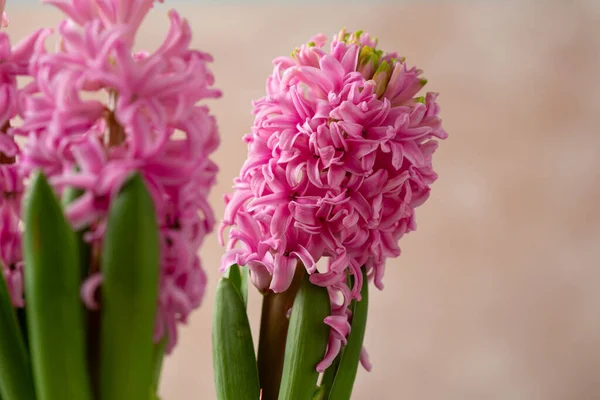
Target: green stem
column 273, row 332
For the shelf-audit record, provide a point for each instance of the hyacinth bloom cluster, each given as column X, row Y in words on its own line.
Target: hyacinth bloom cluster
column 98, row 111
column 339, row 157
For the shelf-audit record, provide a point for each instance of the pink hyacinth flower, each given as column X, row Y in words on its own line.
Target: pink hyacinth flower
column 144, row 118
column 339, row 158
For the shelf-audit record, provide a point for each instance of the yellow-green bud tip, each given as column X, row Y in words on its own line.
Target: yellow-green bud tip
column 382, row 78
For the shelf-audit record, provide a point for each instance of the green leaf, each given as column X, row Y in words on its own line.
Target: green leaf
column 130, row 265
column 154, row 396
column 238, row 276
column 54, row 308
column 16, row 381
column 306, row 342
column 159, row 353
column 320, row 393
column 350, row 356
column 234, row 360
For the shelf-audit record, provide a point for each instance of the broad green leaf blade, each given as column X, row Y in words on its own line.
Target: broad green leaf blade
column 350, row 356
column 234, row 360
column 306, row 342
column 130, row 264
column 238, row 276
column 16, row 381
column 54, row 308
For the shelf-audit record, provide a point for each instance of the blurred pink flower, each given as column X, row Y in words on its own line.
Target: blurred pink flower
column 339, row 157
column 14, row 63
column 11, row 186
column 144, row 118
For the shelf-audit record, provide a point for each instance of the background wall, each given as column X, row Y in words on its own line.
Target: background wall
column 496, row 295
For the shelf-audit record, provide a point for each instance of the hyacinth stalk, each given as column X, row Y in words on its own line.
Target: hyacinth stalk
column 339, row 159
column 104, row 202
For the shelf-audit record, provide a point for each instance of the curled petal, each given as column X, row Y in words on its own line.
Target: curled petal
column 283, row 273
column 333, row 349
column 364, row 360
column 89, row 291
column 339, row 325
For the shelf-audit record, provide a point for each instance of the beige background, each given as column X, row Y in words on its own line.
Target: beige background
column 496, row 295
